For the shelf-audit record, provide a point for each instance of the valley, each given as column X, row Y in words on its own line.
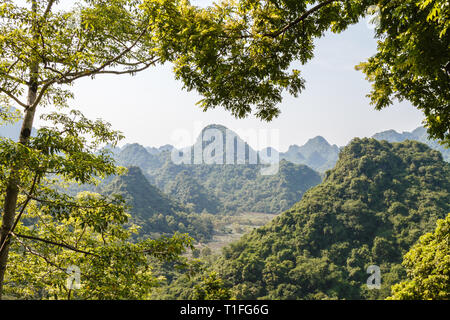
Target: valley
column 225, row 150
column 230, row 228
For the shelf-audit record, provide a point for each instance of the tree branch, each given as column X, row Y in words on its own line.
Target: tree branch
column 304, row 16
column 49, row 8
column 40, row 256
column 70, row 77
column 69, row 205
column 35, row 180
column 9, row 94
column 54, row 243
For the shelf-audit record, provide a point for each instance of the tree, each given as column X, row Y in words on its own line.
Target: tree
column 413, row 60
column 428, row 267
column 42, row 54
column 53, row 231
column 211, row 287
column 110, row 266
column 252, row 44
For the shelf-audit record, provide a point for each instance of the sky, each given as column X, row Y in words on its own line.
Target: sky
column 152, row 107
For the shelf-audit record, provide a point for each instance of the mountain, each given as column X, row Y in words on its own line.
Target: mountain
column 220, row 145
column 136, row 155
column 369, row 210
column 155, row 212
column 220, row 173
column 419, row 134
column 317, row 153
column 153, row 151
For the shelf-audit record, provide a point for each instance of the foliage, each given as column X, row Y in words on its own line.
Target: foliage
column 54, row 230
column 419, row 134
column 211, row 288
column 226, row 188
column 370, row 209
column 250, row 45
column 111, row 266
column 135, row 155
column 428, row 267
column 413, row 60
column 241, row 188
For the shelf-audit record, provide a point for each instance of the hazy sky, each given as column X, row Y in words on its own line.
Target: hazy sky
column 151, row 106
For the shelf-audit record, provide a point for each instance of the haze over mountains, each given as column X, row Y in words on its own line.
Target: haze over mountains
column 317, row 153
column 220, row 188
column 419, row 134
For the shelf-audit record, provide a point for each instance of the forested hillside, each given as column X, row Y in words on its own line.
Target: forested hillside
column 238, row 188
column 370, row 209
column 155, row 212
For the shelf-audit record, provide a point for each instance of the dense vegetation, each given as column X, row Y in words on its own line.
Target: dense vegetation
column 153, row 211
column 371, row 208
column 55, row 232
column 240, row 188
column 236, row 55
column 428, row 267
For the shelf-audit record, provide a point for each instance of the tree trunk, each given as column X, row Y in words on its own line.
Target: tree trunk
column 12, row 189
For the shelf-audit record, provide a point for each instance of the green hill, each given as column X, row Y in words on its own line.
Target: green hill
column 155, row 212
column 186, row 189
column 240, row 188
column 370, row 209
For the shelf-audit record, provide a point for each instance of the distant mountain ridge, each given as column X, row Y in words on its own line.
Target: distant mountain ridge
column 419, row 134
column 136, row 155
column 317, row 153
